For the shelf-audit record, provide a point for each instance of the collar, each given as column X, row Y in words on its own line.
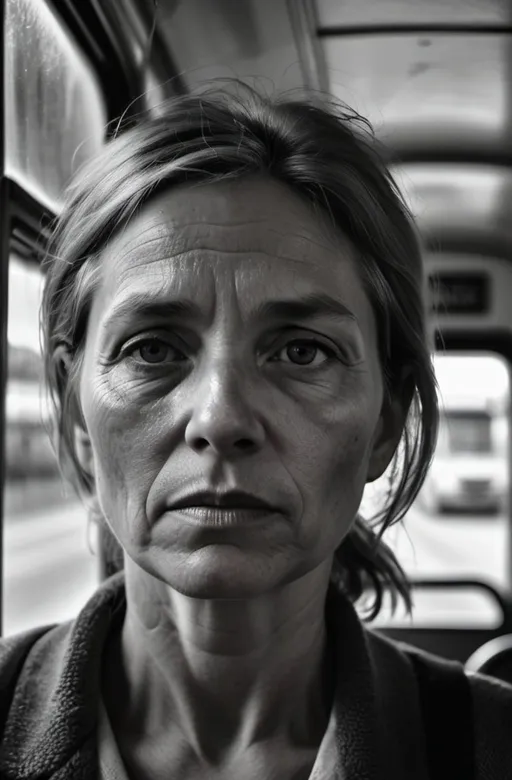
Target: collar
column 51, row 731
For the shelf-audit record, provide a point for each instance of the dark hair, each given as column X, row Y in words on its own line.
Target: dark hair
column 328, row 155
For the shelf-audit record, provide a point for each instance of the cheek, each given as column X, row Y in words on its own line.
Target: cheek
column 331, row 467
column 337, row 433
column 124, row 437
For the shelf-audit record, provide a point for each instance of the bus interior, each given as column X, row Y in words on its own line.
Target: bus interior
column 435, row 80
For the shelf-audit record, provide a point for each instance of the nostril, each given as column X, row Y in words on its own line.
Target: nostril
column 245, row 444
column 200, row 444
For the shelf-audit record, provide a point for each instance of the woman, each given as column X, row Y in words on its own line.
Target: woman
column 235, row 341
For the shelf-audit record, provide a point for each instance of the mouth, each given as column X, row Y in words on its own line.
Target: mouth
column 221, row 510
column 223, row 516
column 234, row 500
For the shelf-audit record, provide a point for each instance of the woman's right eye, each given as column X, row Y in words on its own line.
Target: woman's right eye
column 154, row 351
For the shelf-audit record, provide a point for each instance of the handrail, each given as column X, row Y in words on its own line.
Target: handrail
column 502, row 599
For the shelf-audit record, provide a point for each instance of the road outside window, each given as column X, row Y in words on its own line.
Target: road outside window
column 49, row 571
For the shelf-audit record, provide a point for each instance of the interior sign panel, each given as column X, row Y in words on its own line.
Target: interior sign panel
column 459, row 293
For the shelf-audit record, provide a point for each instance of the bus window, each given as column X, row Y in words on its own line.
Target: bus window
column 49, row 571
column 55, row 112
column 457, row 528
column 470, row 469
column 55, row 119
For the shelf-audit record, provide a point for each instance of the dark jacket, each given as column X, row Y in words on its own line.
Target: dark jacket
column 50, row 691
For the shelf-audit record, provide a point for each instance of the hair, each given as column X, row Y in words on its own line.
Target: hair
column 327, row 154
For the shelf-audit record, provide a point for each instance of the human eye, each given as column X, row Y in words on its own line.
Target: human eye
column 306, row 352
column 152, row 351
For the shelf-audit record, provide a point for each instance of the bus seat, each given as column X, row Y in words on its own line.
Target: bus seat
column 493, row 658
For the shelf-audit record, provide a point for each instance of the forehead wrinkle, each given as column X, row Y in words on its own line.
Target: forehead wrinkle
column 166, row 248
column 184, row 268
column 169, row 258
column 170, row 278
column 293, row 231
column 252, row 208
column 136, row 253
column 182, row 235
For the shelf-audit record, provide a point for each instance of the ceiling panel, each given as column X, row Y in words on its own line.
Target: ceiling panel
column 373, row 13
column 436, row 193
column 459, row 201
column 436, row 89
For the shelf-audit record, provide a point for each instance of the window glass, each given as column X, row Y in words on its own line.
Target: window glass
column 49, row 571
column 55, row 113
column 457, row 528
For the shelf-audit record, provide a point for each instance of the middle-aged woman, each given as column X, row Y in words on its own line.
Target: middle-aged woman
column 235, row 340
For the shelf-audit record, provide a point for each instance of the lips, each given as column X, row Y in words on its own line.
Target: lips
column 233, row 499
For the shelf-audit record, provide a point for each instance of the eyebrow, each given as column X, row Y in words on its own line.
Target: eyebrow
column 307, row 307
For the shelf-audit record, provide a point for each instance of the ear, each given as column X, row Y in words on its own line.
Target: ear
column 83, row 448
column 81, row 441
column 388, row 433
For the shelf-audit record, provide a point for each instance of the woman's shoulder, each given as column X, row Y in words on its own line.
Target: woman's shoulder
column 45, row 645
column 49, row 687
column 40, row 654
column 17, row 651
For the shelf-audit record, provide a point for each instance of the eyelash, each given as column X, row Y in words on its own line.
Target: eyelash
column 330, row 353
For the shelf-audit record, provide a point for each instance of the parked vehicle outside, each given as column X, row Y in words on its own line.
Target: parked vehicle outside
column 470, row 468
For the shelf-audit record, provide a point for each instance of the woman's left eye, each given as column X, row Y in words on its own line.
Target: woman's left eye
column 154, row 351
column 305, row 352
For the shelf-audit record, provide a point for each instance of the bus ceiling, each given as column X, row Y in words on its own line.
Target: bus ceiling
column 434, row 80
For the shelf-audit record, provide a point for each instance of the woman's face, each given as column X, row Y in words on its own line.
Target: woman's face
column 231, row 346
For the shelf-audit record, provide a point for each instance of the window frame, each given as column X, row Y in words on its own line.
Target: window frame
column 25, row 222
column 4, row 279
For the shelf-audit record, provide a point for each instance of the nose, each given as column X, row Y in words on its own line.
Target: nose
column 224, row 419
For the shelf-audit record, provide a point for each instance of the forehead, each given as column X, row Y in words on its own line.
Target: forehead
column 254, row 235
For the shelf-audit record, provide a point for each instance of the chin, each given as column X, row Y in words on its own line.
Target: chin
column 226, row 574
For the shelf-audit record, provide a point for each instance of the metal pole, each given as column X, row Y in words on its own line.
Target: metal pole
column 4, row 286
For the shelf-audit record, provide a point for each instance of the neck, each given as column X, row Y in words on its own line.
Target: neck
column 230, row 673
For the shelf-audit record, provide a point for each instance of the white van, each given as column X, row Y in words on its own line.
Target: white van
column 470, row 470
